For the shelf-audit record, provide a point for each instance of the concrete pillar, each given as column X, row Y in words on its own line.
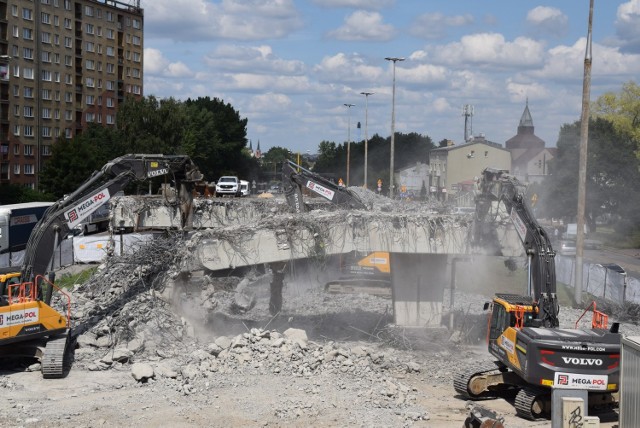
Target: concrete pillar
column 418, row 282
column 277, row 282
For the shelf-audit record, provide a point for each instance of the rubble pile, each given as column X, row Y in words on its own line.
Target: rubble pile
column 143, row 314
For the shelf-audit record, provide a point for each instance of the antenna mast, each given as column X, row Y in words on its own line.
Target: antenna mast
column 467, row 112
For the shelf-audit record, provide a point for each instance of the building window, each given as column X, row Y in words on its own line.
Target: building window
column 27, row 73
column 27, row 14
column 45, row 56
column 28, row 111
column 16, row 110
column 137, row 57
column 27, row 33
column 28, row 92
column 56, row 76
column 90, row 117
column 28, row 150
column 68, row 61
column 110, row 51
column 16, row 90
column 99, row 83
column 46, row 18
column 111, row 68
column 27, row 53
column 68, row 43
column 46, row 150
column 46, row 37
column 46, row 76
column 46, row 131
column 14, row 10
column 90, row 100
column 16, row 31
column 68, row 79
column 110, row 34
column 136, row 24
column 111, row 85
column 136, row 40
column 136, row 73
column 46, row 94
column 68, row 97
column 57, row 96
column 89, row 28
column 90, row 64
column 90, row 47
column 28, row 169
column 16, row 130
column 16, row 150
column 46, row 113
column 88, row 10
column 56, row 114
column 108, row 14
column 100, row 100
column 56, row 20
column 110, row 102
column 67, row 23
column 56, row 58
column 68, row 133
column 16, row 169
column 68, row 115
column 89, row 81
column 110, row 119
column 28, row 130
column 99, row 32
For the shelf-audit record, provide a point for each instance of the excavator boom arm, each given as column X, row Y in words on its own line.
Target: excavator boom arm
column 295, row 178
column 71, row 210
column 498, row 187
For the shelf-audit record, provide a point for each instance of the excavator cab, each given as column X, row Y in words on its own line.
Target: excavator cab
column 510, row 310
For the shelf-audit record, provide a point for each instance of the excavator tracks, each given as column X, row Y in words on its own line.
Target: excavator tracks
column 533, row 403
column 463, row 381
column 53, row 361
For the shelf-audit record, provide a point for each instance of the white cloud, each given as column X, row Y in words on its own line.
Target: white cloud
column 567, row 62
column 435, row 25
column 491, row 49
column 357, row 4
column 425, row 74
column 257, row 59
column 628, row 25
column 546, row 21
column 269, row 102
column 341, row 67
column 363, row 26
column 156, row 64
column 231, row 19
column 521, row 91
column 441, row 105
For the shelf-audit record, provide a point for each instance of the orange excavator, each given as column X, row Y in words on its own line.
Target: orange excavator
column 35, row 315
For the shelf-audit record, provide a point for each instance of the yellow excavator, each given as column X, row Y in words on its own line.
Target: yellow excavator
column 35, row 315
column 532, row 353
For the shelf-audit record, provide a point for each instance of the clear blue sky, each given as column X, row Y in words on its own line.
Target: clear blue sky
column 289, row 66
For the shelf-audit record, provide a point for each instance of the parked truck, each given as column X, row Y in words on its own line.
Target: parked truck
column 16, row 223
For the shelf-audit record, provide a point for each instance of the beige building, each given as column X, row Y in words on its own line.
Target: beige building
column 64, row 64
column 454, row 169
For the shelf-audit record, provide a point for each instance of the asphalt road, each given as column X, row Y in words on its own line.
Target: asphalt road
column 629, row 259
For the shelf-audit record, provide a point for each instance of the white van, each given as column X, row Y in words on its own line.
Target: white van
column 244, row 188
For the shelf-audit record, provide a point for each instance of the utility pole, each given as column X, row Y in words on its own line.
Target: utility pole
column 393, row 121
column 582, row 168
column 348, row 106
column 366, row 136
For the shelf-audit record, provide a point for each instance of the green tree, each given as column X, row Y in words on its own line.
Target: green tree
column 622, row 109
column 72, row 162
column 612, row 174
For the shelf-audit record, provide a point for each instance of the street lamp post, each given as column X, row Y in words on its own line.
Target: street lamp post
column 393, row 121
column 366, row 136
column 348, row 106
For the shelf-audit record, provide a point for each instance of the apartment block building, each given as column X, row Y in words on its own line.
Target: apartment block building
column 64, row 64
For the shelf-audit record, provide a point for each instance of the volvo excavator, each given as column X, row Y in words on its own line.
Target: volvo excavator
column 31, row 324
column 361, row 272
column 532, row 353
